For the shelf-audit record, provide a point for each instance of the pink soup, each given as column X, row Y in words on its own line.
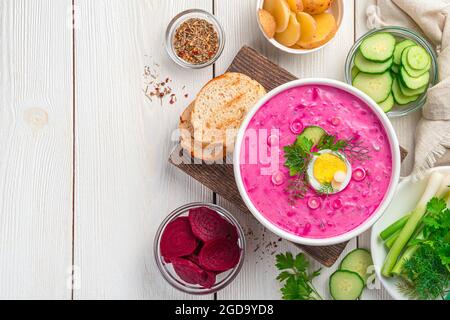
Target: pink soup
column 268, row 183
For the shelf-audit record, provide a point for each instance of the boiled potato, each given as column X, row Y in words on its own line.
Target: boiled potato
column 308, row 26
column 267, row 22
column 290, row 36
column 326, row 29
column 296, row 5
column 280, row 10
column 316, row 6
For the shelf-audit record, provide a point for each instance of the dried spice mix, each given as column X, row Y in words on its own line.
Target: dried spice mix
column 196, row 41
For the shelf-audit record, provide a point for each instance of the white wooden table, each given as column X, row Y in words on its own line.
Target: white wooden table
column 84, row 178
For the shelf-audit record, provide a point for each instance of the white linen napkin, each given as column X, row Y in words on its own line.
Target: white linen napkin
column 432, row 18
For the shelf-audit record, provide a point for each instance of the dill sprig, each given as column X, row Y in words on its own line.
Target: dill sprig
column 326, row 189
column 296, row 189
column 356, row 150
column 428, row 276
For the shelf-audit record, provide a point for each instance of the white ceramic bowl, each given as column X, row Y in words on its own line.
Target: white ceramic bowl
column 396, row 163
column 406, row 197
column 336, row 9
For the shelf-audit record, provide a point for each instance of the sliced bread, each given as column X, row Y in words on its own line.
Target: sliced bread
column 221, row 106
column 208, row 153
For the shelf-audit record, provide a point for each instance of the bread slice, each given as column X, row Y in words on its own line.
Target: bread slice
column 221, row 106
column 208, row 153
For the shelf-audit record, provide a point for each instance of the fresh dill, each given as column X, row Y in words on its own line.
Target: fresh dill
column 356, row 150
column 296, row 189
column 326, row 189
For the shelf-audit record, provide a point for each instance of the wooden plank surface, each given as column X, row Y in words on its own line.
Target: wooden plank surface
column 124, row 186
column 123, row 183
column 35, row 149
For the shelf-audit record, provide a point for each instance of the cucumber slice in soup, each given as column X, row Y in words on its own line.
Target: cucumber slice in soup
column 399, row 97
column 346, row 285
column 377, row 86
column 387, row 104
column 378, row 47
column 358, row 260
column 355, row 72
column 399, row 47
column 368, row 66
column 418, row 58
column 410, row 92
column 414, row 83
column 313, row 133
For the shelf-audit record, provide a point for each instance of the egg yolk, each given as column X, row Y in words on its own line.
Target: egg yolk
column 326, row 166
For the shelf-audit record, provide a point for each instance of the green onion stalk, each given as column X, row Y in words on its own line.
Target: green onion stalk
column 434, row 185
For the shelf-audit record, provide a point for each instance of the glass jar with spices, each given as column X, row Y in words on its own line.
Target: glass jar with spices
column 194, row 39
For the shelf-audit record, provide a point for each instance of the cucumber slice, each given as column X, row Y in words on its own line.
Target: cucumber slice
column 399, row 97
column 313, row 133
column 387, row 104
column 399, row 49
column 355, row 72
column 416, row 73
column 377, row 86
column 358, row 260
column 346, row 285
column 410, row 92
column 414, row 83
column 378, row 47
column 411, row 71
column 418, row 58
column 368, row 66
column 395, row 68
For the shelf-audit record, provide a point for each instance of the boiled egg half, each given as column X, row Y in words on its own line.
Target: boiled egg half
column 329, row 172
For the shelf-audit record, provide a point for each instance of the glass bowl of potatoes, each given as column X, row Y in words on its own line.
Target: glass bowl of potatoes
column 299, row 26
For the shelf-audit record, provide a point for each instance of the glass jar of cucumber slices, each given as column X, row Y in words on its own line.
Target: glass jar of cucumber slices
column 395, row 66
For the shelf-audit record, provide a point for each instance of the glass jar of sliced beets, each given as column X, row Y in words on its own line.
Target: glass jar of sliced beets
column 199, row 248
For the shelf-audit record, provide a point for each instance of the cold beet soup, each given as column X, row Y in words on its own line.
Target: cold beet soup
column 316, row 161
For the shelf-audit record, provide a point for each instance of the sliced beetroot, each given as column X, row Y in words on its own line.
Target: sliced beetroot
column 194, row 258
column 177, row 239
column 219, row 255
column 208, row 225
column 208, row 280
column 167, row 260
column 234, row 235
column 189, row 271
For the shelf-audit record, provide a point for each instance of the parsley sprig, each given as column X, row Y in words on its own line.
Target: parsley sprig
column 296, row 278
column 297, row 155
column 329, row 142
column 427, row 272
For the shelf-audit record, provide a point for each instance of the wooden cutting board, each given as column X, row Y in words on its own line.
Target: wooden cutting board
column 220, row 177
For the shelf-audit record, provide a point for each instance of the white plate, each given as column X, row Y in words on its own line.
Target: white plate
column 405, row 200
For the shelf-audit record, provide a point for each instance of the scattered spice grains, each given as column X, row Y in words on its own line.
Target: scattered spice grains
column 157, row 88
column 196, row 41
column 264, row 246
